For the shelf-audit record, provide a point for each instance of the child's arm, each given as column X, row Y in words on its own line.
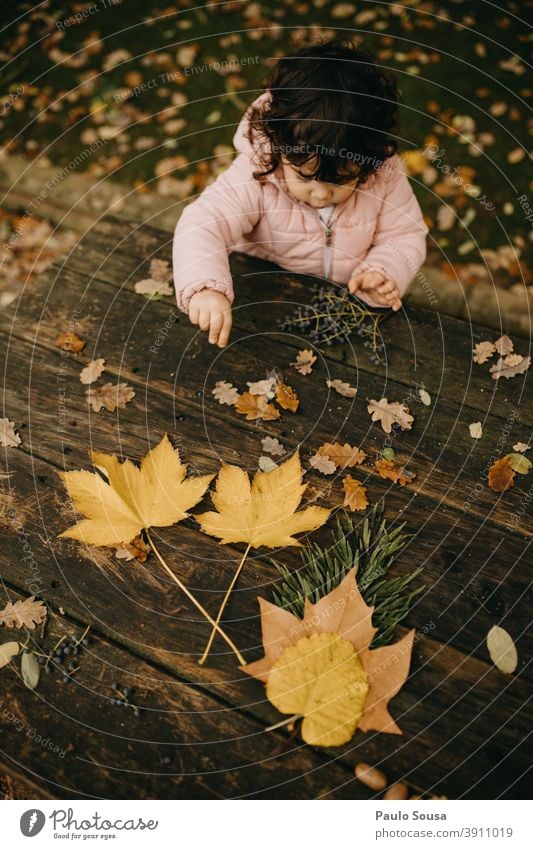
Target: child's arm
column 399, row 246
column 209, row 227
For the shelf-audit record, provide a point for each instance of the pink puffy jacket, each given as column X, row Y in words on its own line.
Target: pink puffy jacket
column 380, row 226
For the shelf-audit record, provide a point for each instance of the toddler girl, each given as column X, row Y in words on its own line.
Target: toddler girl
column 316, row 187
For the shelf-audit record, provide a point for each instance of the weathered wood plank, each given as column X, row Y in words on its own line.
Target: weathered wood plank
column 423, row 346
column 457, row 712
column 73, row 741
column 450, row 466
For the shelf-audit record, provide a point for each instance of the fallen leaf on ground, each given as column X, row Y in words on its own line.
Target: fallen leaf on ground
column 157, row 283
column 483, row 351
column 263, row 513
column 304, row 361
column 504, row 345
column 70, row 342
column 502, row 650
column 225, row 393
column 316, row 492
column 92, row 371
column 137, row 549
column 7, row 652
column 390, row 413
column 425, row 397
column 25, row 613
column 512, row 359
column 110, row 396
column 354, row 494
column 501, row 475
column 267, row 464
column 263, row 387
column 476, row 431
column 256, row 407
column 520, row 446
column 342, row 388
column 389, row 471
column 8, row 437
column 321, row 667
column 501, row 369
column 322, row 464
column 287, row 397
column 272, row 446
column 344, row 456
column 154, row 495
column 519, row 463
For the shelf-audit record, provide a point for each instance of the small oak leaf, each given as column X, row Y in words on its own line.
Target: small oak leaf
column 8, row 437
column 263, row 387
column 70, row 342
column 256, row 407
column 225, row 393
column 304, row 361
column 344, row 456
column 512, row 359
column 110, row 396
column 287, row 397
column 92, row 371
column 504, row 345
column 503, row 370
column 387, row 470
column 25, row 613
column 272, row 446
column 322, row 464
column 520, row 446
column 389, row 414
column 483, row 351
column 354, row 494
column 344, row 389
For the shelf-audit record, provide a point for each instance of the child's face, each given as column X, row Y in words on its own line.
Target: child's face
column 313, row 192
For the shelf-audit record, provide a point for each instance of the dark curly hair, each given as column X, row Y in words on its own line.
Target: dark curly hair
column 330, row 101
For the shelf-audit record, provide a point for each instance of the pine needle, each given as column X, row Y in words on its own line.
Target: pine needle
column 372, row 550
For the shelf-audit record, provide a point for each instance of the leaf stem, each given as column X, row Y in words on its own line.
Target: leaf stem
column 196, row 603
column 285, row 722
column 223, row 605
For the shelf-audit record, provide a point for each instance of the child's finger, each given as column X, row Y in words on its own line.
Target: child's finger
column 215, row 327
column 194, row 314
column 223, row 336
column 204, row 320
column 354, row 283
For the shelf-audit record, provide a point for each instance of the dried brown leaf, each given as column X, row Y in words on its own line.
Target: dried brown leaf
column 8, row 437
column 322, row 464
column 504, row 345
column 389, row 414
column 483, row 351
column 344, row 389
column 111, row 396
column 256, row 407
column 501, row 475
column 92, row 371
column 503, row 370
column 287, row 397
column 304, row 361
column 70, row 342
column 344, row 456
column 225, row 393
column 354, row 494
column 25, row 613
column 389, row 471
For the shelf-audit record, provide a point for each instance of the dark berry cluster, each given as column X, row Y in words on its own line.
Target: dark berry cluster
column 333, row 315
column 64, row 657
column 122, row 696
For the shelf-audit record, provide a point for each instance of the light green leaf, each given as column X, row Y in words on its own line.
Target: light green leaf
column 519, row 463
column 31, row 671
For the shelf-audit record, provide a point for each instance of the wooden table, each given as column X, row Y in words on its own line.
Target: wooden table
column 201, row 730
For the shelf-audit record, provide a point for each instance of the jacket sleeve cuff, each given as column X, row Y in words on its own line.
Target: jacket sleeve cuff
column 183, row 296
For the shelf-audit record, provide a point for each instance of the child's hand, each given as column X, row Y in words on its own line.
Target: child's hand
column 211, row 311
column 382, row 289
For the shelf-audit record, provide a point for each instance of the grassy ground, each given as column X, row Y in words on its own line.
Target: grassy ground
column 119, row 91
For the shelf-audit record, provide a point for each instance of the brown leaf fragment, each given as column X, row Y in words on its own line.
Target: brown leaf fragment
column 322, row 464
column 501, row 369
column 92, row 371
column 342, row 388
column 256, row 407
column 389, row 414
column 287, row 397
column 501, row 475
column 8, row 437
column 137, row 549
column 344, row 456
column 225, row 393
column 504, row 345
column 483, row 351
column 110, row 396
column 70, row 342
column 272, row 446
column 389, row 471
column 513, row 359
column 314, row 493
column 354, row 494
column 263, row 387
column 304, row 361
column 25, row 613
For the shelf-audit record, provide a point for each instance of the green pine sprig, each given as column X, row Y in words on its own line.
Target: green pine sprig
column 372, row 550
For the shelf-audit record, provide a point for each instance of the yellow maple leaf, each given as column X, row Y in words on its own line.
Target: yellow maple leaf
column 321, row 668
column 154, row 495
column 263, row 513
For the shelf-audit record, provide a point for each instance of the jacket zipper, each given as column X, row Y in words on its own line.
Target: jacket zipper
column 328, row 229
